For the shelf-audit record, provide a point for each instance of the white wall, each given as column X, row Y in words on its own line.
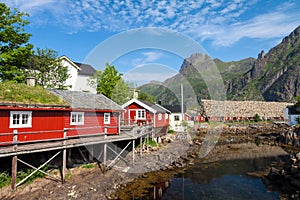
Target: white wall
column 292, row 120
column 82, row 84
column 174, row 125
column 73, row 74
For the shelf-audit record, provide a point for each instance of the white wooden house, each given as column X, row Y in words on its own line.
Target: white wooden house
column 79, row 75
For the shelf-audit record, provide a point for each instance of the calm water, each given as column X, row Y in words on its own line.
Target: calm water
column 219, row 180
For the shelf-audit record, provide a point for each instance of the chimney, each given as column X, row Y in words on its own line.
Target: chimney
column 135, row 94
column 30, row 81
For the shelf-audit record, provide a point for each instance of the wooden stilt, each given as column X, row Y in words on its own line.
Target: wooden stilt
column 64, row 160
column 133, row 151
column 147, row 142
column 14, row 173
column 141, row 146
column 104, row 153
column 91, row 153
column 64, row 165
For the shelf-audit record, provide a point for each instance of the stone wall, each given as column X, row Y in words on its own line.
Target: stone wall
column 245, row 109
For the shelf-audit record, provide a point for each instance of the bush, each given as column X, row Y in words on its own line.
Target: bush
column 171, row 131
column 5, row 179
column 257, row 118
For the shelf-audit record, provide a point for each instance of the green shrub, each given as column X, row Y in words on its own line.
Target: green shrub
column 171, row 131
column 257, row 118
column 5, row 179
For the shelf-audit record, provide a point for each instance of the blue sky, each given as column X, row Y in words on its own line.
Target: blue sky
column 228, row 30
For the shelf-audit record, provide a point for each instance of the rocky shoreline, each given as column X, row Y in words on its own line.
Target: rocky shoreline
column 177, row 152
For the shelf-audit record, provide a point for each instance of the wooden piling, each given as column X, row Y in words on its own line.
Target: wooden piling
column 141, row 146
column 133, row 151
column 64, row 158
column 14, row 172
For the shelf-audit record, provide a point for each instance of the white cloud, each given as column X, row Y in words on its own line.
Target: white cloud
column 146, row 58
column 143, row 77
column 215, row 20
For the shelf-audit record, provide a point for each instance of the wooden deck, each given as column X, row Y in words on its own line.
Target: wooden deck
column 42, row 146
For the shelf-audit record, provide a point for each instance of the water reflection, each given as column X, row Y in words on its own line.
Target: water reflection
column 222, row 180
column 216, row 180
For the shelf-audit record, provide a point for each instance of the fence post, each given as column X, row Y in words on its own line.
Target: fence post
column 15, row 139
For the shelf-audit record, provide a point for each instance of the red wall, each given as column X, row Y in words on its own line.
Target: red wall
column 129, row 120
column 50, row 124
column 93, row 124
column 163, row 121
column 51, row 121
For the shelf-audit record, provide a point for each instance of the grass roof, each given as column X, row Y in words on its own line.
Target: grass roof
column 23, row 94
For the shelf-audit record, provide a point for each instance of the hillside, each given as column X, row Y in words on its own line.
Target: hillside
column 272, row 77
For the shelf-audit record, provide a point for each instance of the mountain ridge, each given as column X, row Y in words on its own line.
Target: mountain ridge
column 272, row 76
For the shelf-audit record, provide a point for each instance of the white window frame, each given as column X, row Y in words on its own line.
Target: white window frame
column 77, row 122
column 176, row 120
column 159, row 116
column 20, row 120
column 166, row 116
column 143, row 112
column 106, row 118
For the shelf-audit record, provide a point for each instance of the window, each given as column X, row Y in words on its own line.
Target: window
column 140, row 114
column 106, row 118
column 77, row 118
column 20, row 119
column 166, row 116
column 159, row 116
column 176, row 117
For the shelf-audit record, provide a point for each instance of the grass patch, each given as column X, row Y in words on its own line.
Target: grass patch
column 152, row 143
column 21, row 93
column 5, row 178
column 88, row 166
column 68, row 175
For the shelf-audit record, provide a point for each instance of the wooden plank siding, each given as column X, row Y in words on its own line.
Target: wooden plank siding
column 46, row 124
column 93, row 124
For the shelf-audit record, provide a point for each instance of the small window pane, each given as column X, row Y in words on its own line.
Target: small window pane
column 73, row 118
column 79, row 118
column 25, row 118
column 16, row 118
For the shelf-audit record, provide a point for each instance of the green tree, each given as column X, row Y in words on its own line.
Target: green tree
column 47, row 69
column 14, row 47
column 122, row 92
column 298, row 101
column 95, row 79
column 146, row 97
column 109, row 79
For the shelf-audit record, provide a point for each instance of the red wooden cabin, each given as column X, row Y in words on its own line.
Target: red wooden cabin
column 86, row 114
column 139, row 112
column 90, row 113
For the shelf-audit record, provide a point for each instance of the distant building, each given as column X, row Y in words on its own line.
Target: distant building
column 212, row 110
column 176, row 117
column 80, row 74
column 292, row 113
